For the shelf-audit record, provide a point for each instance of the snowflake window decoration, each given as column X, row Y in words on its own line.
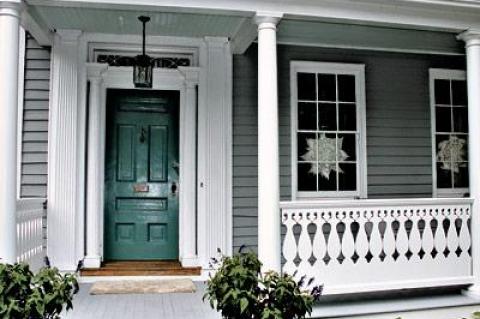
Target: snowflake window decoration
column 328, row 154
column 451, row 154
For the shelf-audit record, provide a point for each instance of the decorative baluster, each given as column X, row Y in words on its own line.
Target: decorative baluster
column 319, row 243
column 289, row 245
column 402, row 235
column 465, row 240
column 304, row 245
column 440, row 240
column 389, row 237
column 376, row 237
column 361, row 244
column 452, row 237
column 333, row 245
column 348, row 242
column 415, row 240
column 427, row 237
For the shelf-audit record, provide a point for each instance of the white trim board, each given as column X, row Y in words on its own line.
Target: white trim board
column 21, row 94
column 361, row 144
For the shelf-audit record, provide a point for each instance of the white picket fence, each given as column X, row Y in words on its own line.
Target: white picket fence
column 30, row 232
column 369, row 245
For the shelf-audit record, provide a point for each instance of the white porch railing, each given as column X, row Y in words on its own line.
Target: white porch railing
column 30, row 232
column 368, row 245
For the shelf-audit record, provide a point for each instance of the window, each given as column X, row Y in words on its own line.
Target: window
column 449, row 113
column 328, row 130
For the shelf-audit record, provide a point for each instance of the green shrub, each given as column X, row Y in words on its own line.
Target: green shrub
column 240, row 291
column 24, row 295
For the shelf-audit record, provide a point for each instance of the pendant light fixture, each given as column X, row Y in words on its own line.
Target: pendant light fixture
column 143, row 67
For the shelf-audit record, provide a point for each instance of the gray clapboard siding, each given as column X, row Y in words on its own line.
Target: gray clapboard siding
column 398, row 125
column 35, row 120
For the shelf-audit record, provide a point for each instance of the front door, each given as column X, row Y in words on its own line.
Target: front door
column 141, row 175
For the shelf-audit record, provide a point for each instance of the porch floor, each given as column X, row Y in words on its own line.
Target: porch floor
column 145, row 306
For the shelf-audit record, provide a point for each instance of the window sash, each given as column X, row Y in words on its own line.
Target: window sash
column 336, row 69
column 449, row 75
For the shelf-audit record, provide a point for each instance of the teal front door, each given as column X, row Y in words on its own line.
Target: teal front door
column 141, row 175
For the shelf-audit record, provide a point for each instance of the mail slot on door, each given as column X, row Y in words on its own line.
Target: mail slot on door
column 141, row 188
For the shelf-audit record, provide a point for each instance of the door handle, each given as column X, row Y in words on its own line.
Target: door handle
column 174, row 188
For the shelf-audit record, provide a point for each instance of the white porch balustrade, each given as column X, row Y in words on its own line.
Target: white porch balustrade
column 369, row 245
column 30, row 232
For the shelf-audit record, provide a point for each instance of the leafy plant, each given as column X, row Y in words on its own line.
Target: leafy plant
column 239, row 290
column 24, row 295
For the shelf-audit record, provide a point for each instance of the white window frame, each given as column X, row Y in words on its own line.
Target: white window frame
column 442, row 74
column 358, row 70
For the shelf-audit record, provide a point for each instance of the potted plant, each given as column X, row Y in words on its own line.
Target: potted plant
column 24, row 295
column 239, row 290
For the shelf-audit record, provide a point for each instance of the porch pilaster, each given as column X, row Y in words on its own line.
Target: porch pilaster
column 64, row 157
column 472, row 40
column 268, row 148
column 9, row 26
column 95, row 170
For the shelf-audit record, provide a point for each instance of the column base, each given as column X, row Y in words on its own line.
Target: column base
column 191, row 261
column 92, row 262
column 472, row 291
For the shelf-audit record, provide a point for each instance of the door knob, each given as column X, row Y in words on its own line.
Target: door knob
column 174, row 188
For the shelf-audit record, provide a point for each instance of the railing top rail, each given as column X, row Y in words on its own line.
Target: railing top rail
column 374, row 202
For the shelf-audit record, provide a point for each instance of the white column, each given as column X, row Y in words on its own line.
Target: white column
column 95, row 167
column 472, row 40
column 9, row 37
column 64, row 157
column 268, row 153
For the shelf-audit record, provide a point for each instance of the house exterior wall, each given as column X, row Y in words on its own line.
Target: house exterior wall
column 35, row 120
column 398, row 125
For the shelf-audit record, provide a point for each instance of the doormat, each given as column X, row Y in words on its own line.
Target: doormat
column 143, row 287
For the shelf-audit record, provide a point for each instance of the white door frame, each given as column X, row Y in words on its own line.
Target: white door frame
column 184, row 80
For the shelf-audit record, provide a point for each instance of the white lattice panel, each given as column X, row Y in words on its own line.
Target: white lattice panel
column 369, row 245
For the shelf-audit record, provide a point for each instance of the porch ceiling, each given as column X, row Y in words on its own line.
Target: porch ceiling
column 241, row 30
column 125, row 21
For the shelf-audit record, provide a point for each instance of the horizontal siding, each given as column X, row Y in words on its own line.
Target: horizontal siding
column 35, row 120
column 398, row 126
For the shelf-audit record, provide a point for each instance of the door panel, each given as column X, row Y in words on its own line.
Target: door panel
column 141, row 211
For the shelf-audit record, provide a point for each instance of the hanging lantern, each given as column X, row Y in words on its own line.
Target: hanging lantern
column 143, row 67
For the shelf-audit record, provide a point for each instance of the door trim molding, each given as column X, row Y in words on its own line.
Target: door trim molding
column 185, row 80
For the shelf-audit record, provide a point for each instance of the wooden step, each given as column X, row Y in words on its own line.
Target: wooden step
column 142, row 268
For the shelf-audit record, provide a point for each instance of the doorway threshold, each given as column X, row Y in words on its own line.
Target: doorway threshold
column 142, row 268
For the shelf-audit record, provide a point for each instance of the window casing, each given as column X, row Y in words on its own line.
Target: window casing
column 328, row 130
column 449, row 115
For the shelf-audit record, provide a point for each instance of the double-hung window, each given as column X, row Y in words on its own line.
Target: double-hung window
column 449, row 114
column 328, row 130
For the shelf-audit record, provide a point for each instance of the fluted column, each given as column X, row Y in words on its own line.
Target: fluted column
column 64, row 130
column 95, row 166
column 472, row 41
column 9, row 37
column 268, row 149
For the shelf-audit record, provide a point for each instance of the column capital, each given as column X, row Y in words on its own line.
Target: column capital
column 95, row 70
column 471, row 37
column 267, row 19
column 11, row 8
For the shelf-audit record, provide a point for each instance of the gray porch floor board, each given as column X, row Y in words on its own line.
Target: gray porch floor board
column 147, row 306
